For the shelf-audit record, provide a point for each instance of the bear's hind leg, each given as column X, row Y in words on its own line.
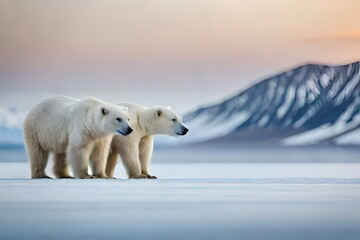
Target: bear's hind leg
column 38, row 161
column 38, row 157
column 61, row 168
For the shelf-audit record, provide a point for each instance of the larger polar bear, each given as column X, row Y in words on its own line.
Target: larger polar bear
column 136, row 149
column 76, row 131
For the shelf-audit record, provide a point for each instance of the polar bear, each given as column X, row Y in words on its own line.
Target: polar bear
column 76, row 131
column 136, row 149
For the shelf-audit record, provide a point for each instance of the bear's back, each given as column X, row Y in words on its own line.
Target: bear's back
column 49, row 107
column 49, row 121
column 132, row 107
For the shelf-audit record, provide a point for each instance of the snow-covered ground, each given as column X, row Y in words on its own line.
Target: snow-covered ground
column 188, row 201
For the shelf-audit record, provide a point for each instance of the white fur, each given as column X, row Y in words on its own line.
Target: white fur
column 76, row 131
column 136, row 149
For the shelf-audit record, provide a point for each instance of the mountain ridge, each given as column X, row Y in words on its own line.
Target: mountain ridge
column 309, row 64
column 283, row 105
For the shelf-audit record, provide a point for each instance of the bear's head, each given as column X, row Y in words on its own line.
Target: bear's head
column 114, row 119
column 167, row 122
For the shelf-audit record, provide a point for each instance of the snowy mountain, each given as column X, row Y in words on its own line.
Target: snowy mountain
column 311, row 104
column 11, row 121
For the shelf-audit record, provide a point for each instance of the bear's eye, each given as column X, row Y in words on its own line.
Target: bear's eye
column 174, row 119
column 104, row 111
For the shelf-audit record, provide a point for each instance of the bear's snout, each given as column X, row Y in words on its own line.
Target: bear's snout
column 125, row 132
column 185, row 130
column 129, row 130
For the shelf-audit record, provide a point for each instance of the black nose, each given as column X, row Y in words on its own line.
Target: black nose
column 129, row 130
column 118, row 119
column 185, row 130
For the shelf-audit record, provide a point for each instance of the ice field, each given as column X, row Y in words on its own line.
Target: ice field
column 199, row 200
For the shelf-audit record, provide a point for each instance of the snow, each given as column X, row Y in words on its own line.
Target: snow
column 271, row 90
column 335, row 88
column 310, row 112
column 11, row 123
column 350, row 138
column 204, row 128
column 264, row 120
column 310, row 137
column 242, row 99
column 310, row 97
column 290, row 95
column 279, row 92
column 312, row 86
column 350, row 86
column 301, row 96
column 199, row 121
column 327, row 131
column 200, row 131
column 11, row 118
column 321, row 133
column 324, row 80
column 189, row 201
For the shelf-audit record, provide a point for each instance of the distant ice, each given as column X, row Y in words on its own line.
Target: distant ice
column 11, row 118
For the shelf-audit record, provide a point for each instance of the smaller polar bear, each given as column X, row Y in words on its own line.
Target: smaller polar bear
column 136, row 149
column 76, row 131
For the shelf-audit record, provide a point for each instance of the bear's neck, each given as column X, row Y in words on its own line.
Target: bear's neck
column 144, row 119
column 94, row 133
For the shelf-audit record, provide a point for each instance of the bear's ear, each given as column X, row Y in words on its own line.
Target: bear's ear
column 125, row 109
column 104, row 111
column 158, row 112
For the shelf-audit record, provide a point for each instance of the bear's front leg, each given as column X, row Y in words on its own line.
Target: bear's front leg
column 145, row 153
column 99, row 157
column 111, row 164
column 78, row 159
column 130, row 159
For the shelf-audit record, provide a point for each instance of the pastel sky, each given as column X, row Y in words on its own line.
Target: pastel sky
column 182, row 53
